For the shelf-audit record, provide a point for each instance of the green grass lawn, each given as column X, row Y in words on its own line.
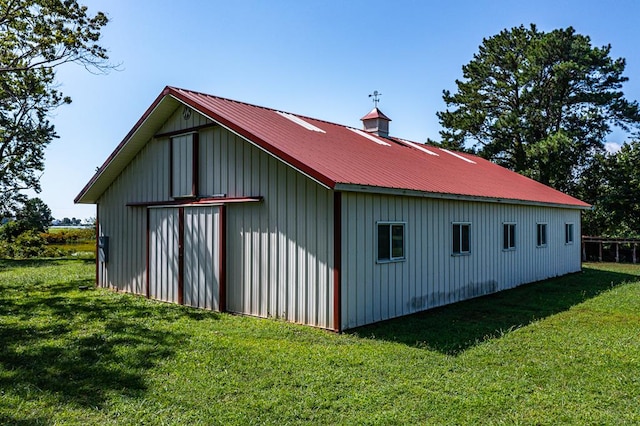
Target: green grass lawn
column 562, row 351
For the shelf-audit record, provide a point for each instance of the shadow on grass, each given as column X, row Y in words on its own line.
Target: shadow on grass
column 80, row 346
column 454, row 328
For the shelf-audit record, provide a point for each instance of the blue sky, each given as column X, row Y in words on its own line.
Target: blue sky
column 316, row 58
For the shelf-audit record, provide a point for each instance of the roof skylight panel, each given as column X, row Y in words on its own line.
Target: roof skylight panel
column 300, row 122
column 458, row 155
column 379, row 141
column 419, row 147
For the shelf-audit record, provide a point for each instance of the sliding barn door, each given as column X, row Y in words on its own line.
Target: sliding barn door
column 184, row 255
column 202, row 257
column 164, row 253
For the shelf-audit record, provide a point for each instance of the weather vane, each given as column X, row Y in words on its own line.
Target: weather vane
column 376, row 97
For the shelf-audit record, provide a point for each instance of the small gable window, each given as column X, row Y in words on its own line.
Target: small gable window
column 390, row 236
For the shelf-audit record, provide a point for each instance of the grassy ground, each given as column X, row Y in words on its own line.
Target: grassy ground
column 562, row 351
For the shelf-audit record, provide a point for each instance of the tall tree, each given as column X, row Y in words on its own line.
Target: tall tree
column 539, row 103
column 621, row 193
column 36, row 36
column 33, row 216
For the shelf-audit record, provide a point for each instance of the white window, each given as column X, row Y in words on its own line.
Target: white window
column 541, row 235
column 390, row 237
column 461, row 238
column 508, row 236
column 568, row 233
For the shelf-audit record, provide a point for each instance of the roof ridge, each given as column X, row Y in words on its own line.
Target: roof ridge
column 396, row 139
column 195, row 92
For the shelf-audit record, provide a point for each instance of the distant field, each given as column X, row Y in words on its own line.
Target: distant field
column 562, row 351
column 77, row 241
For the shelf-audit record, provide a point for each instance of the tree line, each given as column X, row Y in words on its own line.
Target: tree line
column 543, row 104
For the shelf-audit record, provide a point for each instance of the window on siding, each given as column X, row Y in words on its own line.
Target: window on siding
column 461, row 238
column 541, row 234
column 390, row 241
column 183, row 168
column 568, row 233
column 508, row 236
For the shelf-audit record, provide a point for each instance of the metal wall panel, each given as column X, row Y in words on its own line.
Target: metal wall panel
column 163, row 254
column 178, row 121
column 146, row 178
column 202, row 257
column 279, row 252
column 182, row 163
column 430, row 276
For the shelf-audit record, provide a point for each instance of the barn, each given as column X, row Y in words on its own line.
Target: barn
column 223, row 205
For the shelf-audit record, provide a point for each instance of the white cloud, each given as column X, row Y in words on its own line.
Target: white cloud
column 612, row 147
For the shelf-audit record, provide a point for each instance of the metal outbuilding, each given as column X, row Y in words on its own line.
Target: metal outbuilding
column 223, row 205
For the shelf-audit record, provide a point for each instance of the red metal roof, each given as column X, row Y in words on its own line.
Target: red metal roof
column 336, row 155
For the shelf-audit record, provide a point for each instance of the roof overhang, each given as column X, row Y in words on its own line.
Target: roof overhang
column 345, row 187
column 144, row 130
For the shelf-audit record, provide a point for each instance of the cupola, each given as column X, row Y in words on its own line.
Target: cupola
column 376, row 122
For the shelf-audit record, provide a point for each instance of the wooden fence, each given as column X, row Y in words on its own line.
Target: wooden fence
column 610, row 249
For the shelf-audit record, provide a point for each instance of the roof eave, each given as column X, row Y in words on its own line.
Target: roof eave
column 347, row 187
column 131, row 144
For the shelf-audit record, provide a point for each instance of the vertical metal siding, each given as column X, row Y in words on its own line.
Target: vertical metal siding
column 182, row 159
column 202, row 257
column 430, row 276
column 163, row 254
column 279, row 252
column 146, row 178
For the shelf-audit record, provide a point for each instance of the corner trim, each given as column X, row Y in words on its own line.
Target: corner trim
column 97, row 246
column 337, row 261
column 147, row 260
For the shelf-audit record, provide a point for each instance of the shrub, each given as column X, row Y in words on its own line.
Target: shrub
column 69, row 236
column 5, row 249
column 11, row 230
column 28, row 244
column 56, row 252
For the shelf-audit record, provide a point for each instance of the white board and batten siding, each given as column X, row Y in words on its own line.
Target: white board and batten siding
column 279, row 253
column 430, row 275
